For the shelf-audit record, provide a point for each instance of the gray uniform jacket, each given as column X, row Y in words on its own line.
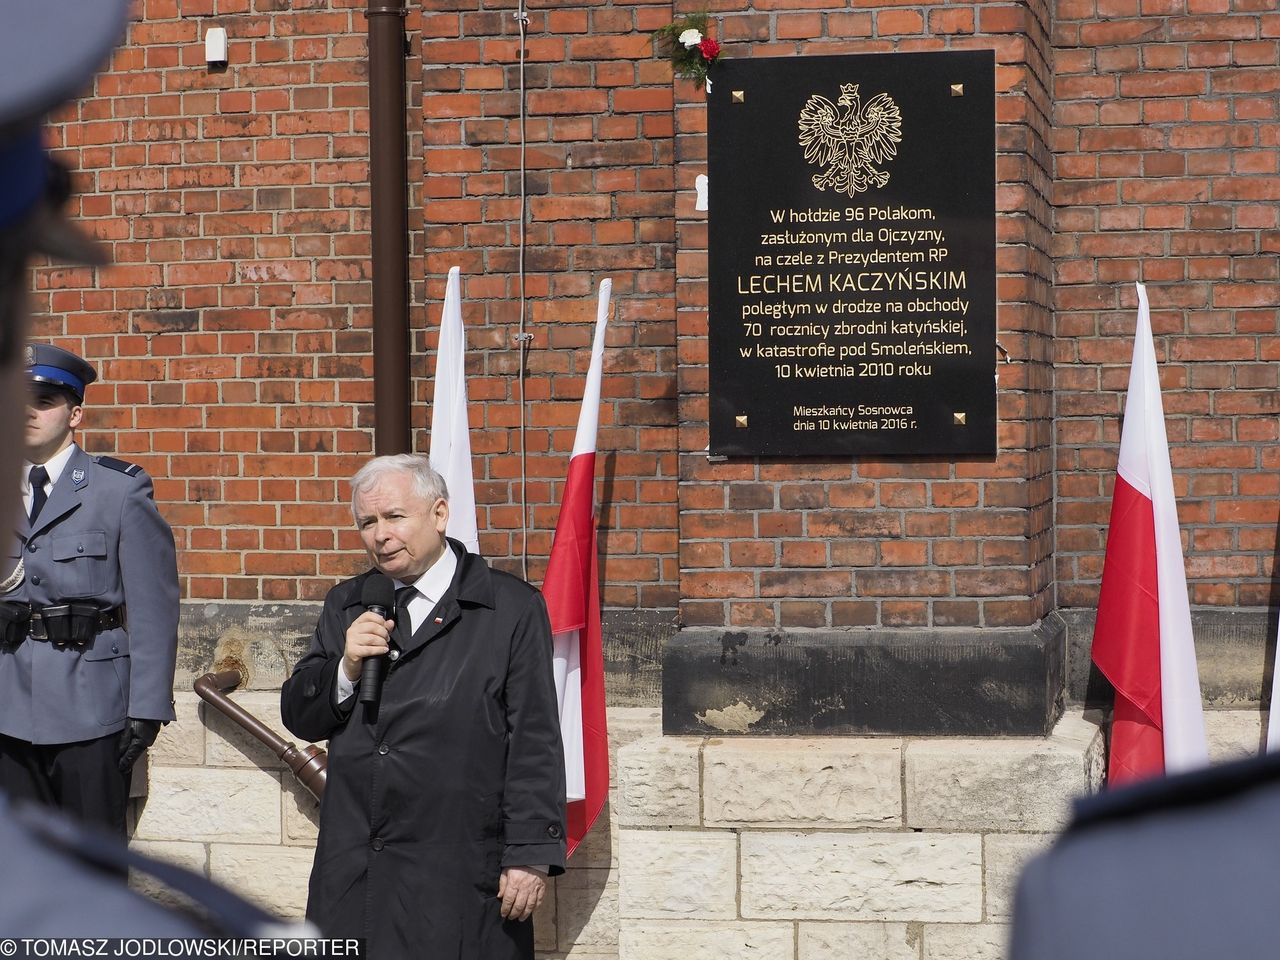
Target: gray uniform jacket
column 63, row 864
column 74, row 882
column 99, row 538
column 1183, row 867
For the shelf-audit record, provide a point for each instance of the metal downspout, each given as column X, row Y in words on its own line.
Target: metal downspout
column 388, row 202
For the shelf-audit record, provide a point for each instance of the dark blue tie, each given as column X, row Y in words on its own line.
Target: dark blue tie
column 404, row 625
column 38, row 477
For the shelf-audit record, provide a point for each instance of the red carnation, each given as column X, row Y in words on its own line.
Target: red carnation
column 710, row 49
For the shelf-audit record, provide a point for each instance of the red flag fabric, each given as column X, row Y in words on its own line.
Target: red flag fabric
column 572, row 591
column 1142, row 637
column 1126, row 637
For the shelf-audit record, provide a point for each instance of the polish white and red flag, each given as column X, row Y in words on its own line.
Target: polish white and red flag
column 572, row 591
column 450, row 452
column 1142, row 639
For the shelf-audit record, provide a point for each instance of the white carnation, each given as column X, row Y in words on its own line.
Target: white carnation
column 690, row 38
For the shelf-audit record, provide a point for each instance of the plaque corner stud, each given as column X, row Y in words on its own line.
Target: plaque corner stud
column 957, row 89
column 740, row 421
column 959, row 418
column 739, row 96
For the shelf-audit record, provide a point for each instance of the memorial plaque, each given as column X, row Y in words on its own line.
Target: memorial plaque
column 852, row 255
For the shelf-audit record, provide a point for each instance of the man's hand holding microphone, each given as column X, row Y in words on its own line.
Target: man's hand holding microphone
column 368, row 639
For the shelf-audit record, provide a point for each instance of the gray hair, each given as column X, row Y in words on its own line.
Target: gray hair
column 427, row 483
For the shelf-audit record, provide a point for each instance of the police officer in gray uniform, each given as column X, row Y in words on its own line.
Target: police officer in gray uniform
column 90, row 612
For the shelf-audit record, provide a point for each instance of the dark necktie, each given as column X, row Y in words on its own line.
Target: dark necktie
column 404, row 625
column 38, row 477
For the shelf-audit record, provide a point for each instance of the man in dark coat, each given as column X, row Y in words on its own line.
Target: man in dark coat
column 90, row 610
column 444, row 807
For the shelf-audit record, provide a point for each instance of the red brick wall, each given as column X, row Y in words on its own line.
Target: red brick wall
column 233, row 332
column 897, row 543
column 1167, row 152
column 599, row 186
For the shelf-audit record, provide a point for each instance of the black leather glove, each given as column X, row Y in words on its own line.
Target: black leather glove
column 136, row 736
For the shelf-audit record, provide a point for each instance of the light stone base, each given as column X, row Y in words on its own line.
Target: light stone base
column 838, row 847
column 831, row 848
column 219, row 803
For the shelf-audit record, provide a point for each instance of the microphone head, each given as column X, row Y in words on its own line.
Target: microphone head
column 378, row 591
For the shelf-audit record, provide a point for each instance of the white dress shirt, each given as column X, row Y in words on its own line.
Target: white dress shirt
column 57, row 463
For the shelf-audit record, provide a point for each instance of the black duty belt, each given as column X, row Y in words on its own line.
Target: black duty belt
column 64, row 624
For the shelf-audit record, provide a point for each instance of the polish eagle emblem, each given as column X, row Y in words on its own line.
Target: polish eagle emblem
column 848, row 138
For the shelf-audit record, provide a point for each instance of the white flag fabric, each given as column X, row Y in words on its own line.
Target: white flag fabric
column 450, row 451
column 566, row 664
column 1185, row 744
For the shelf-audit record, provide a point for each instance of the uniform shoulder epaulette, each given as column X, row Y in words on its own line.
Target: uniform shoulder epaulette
column 1176, row 791
column 121, row 466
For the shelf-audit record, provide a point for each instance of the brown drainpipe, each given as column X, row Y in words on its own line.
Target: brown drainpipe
column 309, row 764
column 388, row 202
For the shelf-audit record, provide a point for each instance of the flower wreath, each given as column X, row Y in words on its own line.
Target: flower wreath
column 686, row 42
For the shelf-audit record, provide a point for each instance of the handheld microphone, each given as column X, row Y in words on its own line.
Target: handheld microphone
column 377, row 595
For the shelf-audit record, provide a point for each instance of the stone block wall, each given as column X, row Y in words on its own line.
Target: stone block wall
column 822, row 849
column 710, row 849
column 218, row 801
column 832, row 848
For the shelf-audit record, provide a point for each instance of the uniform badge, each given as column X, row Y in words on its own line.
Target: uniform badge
column 77, row 476
column 30, row 358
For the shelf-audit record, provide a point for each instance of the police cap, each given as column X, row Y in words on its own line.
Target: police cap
column 49, row 50
column 55, row 367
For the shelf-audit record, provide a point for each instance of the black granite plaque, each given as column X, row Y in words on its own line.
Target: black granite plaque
column 852, row 255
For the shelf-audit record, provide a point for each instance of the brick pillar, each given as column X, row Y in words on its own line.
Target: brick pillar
column 837, row 551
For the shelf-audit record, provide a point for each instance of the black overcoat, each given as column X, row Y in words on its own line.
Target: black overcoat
column 460, row 774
